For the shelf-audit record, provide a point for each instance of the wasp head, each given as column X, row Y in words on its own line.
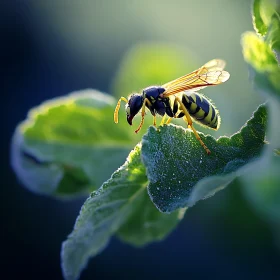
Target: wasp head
column 135, row 102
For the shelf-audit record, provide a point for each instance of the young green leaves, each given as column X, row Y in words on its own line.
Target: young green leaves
column 261, row 51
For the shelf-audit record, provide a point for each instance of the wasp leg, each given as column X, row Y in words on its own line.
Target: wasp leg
column 146, row 101
column 190, row 124
column 168, row 121
column 174, row 111
column 154, row 121
column 175, row 107
column 163, row 120
column 116, row 113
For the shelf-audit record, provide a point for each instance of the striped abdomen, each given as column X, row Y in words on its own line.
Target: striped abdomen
column 201, row 110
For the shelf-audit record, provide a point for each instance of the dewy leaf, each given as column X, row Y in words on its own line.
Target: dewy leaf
column 123, row 202
column 70, row 145
column 181, row 173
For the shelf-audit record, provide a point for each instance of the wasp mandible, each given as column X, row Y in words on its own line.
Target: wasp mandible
column 180, row 99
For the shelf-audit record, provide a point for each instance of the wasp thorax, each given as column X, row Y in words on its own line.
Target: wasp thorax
column 135, row 102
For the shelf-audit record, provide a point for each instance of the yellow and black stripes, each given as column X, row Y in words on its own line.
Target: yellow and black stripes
column 200, row 109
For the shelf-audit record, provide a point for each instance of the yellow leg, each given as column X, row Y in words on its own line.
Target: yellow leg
column 154, row 121
column 143, row 114
column 190, row 124
column 116, row 113
column 163, row 120
column 168, row 121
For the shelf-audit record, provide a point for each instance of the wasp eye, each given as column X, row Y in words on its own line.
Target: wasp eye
column 134, row 105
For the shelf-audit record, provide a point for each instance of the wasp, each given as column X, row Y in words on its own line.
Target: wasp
column 180, row 99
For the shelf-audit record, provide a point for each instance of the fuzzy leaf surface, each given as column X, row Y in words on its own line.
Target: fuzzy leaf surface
column 181, row 173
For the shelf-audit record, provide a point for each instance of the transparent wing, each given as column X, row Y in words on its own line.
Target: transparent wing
column 215, row 64
column 209, row 74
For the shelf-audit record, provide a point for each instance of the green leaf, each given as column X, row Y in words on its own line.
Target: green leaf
column 262, row 54
column 181, row 173
column 262, row 190
column 70, row 145
column 111, row 209
column 147, row 224
column 262, row 187
column 262, row 12
column 264, row 68
column 273, row 128
column 272, row 37
column 257, row 53
column 258, row 21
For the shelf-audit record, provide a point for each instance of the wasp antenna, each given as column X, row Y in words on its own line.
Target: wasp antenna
column 116, row 113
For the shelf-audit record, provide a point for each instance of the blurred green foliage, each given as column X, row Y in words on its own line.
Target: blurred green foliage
column 261, row 52
column 149, row 64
